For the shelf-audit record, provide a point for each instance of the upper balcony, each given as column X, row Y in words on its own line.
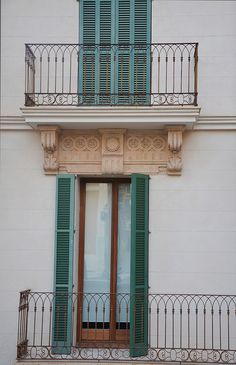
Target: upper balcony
column 160, row 74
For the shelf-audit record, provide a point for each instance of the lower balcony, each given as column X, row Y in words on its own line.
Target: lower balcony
column 102, row 327
column 158, row 74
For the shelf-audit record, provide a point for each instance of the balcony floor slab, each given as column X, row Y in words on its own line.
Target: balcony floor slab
column 112, row 117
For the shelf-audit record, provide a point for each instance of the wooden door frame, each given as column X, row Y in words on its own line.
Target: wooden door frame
column 112, row 331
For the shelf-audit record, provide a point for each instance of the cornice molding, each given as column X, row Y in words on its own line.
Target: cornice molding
column 111, row 117
column 215, row 123
column 202, row 123
column 14, row 123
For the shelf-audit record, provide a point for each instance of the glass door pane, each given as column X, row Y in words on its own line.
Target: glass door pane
column 124, row 243
column 97, row 251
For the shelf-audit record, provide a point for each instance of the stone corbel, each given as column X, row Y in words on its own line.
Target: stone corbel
column 112, row 150
column 175, row 139
column 49, row 140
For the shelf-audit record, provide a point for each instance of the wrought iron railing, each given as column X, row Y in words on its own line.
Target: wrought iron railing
column 117, row 74
column 181, row 327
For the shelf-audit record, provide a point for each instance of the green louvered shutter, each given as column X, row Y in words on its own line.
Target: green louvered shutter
column 105, row 39
column 139, row 265
column 96, row 62
column 142, row 53
column 64, row 237
column 87, row 52
column 134, row 55
column 124, row 57
column 122, row 70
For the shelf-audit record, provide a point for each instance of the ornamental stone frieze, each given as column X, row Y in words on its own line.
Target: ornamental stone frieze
column 112, row 151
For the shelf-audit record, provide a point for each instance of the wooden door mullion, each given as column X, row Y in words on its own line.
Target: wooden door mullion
column 114, row 251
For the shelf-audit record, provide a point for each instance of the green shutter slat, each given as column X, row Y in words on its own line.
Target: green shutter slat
column 88, row 74
column 96, row 27
column 61, row 321
column 141, row 66
column 139, row 265
column 62, row 306
column 124, row 62
column 133, row 69
column 142, row 56
column 105, row 78
column 87, row 55
column 124, row 21
column 124, row 82
column 88, row 25
column 140, row 21
column 62, row 258
column 105, row 60
column 115, row 21
column 105, row 21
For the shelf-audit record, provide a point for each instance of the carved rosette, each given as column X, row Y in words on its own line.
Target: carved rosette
column 112, row 151
column 49, row 140
column 175, row 140
column 80, row 143
column 146, row 143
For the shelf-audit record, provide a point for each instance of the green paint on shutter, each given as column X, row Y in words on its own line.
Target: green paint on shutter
column 64, row 237
column 139, row 265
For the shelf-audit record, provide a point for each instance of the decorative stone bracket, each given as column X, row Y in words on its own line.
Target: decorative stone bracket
column 49, row 140
column 175, row 140
column 112, row 151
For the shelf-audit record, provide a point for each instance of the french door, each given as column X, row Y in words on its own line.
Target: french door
column 104, row 260
column 109, row 240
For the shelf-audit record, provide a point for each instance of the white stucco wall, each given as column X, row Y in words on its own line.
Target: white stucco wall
column 212, row 25
column 26, row 229
column 27, row 21
column 192, row 219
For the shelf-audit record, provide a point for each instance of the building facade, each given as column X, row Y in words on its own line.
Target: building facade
column 118, row 151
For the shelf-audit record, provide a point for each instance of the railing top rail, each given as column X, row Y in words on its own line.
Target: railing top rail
column 111, row 44
column 151, row 295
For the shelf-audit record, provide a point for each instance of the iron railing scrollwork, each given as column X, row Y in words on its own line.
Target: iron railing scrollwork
column 100, row 74
column 181, row 327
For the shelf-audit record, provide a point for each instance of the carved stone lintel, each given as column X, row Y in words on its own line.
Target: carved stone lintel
column 49, row 140
column 175, row 140
column 112, row 151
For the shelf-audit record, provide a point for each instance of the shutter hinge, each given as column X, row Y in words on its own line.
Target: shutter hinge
column 149, row 232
